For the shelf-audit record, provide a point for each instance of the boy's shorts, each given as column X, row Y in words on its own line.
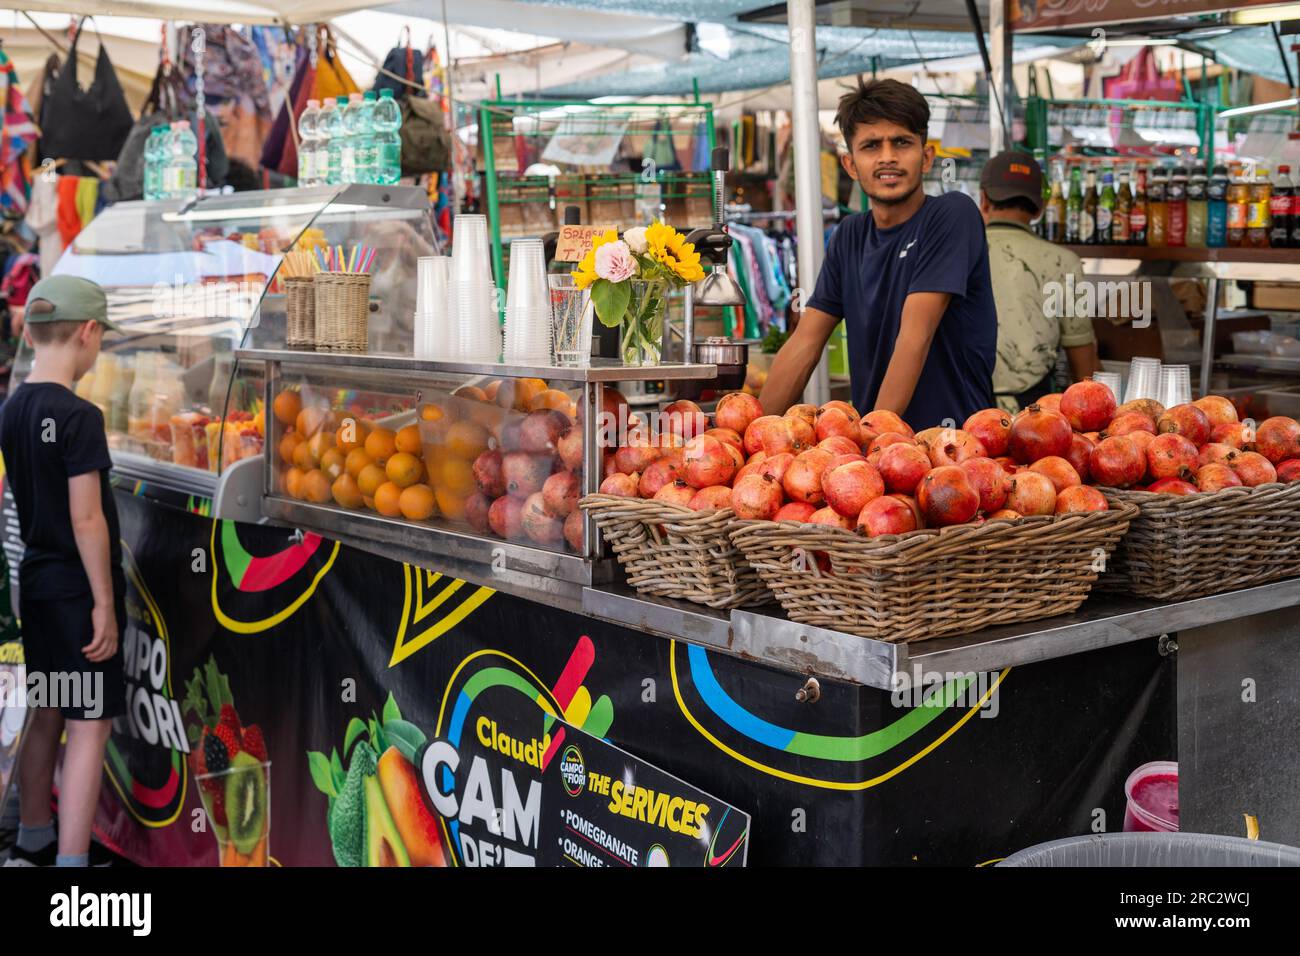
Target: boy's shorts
column 54, row 632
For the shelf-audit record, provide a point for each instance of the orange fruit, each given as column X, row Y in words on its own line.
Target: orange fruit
column 457, row 476
column 381, row 443
column 370, row 478
column 352, row 434
column 346, row 492
column 368, row 502
column 491, row 389
column 472, row 392
column 311, row 419
column 552, row 398
column 286, row 406
column 292, row 482
column 316, row 486
column 332, row 463
column 355, row 461
column 387, row 500
column 466, row 440
column 320, row 443
column 403, row 469
column 408, row 439
column 450, row 504
column 527, row 389
column 302, row 456
column 288, row 444
column 417, row 502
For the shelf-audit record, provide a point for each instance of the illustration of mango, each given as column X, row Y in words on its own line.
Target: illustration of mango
column 415, row 824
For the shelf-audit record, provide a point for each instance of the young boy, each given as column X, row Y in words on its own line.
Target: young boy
column 71, row 587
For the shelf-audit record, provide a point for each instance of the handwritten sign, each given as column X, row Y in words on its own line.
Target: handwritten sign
column 575, row 241
column 1026, row 16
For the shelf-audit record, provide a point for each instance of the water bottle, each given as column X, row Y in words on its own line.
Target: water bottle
column 338, row 137
column 307, row 143
column 153, row 162
column 366, row 172
column 388, row 144
column 184, row 161
column 325, row 131
column 351, row 123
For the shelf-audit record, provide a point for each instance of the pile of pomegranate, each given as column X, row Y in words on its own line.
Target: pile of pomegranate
column 832, row 466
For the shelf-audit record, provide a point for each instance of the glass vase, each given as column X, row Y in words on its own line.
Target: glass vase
column 641, row 335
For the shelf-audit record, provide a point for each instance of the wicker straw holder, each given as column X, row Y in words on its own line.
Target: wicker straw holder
column 342, row 311
column 1186, row 546
column 673, row 552
column 937, row 581
column 300, row 312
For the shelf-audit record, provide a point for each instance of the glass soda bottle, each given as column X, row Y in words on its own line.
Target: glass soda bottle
column 1106, row 208
column 1259, row 217
column 308, row 141
column 1238, row 205
column 1196, row 208
column 1119, row 229
column 1176, row 208
column 388, row 142
column 1283, row 202
column 1157, row 209
column 1088, row 218
column 1216, row 214
column 1074, row 205
column 1137, row 217
column 1054, row 217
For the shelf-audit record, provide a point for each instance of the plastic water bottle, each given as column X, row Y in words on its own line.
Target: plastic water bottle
column 153, row 162
column 351, row 121
column 366, row 151
column 180, row 165
column 338, row 139
column 307, row 143
column 325, row 131
column 388, row 144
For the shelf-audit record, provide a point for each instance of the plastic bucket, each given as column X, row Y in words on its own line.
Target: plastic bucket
column 1155, row 849
column 1152, row 794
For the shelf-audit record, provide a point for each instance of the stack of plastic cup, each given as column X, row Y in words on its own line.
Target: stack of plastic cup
column 433, row 321
column 1175, row 385
column 1111, row 380
column 528, row 305
column 1143, row 379
column 477, row 332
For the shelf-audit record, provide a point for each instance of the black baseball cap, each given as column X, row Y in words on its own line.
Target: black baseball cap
column 1011, row 174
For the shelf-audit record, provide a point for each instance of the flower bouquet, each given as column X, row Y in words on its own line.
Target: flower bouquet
column 629, row 280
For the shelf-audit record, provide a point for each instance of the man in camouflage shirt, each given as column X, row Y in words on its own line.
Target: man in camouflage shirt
column 1021, row 265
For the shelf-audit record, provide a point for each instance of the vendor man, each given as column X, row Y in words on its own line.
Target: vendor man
column 910, row 278
column 1023, row 267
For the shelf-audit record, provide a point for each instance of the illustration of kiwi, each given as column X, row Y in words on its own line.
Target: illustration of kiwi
column 246, row 802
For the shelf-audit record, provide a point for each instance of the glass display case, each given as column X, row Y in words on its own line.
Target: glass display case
column 190, row 282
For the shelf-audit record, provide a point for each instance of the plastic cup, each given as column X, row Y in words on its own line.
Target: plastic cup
column 433, row 320
column 571, row 317
column 1143, row 379
column 1111, row 380
column 528, row 303
column 1152, row 794
column 1175, row 385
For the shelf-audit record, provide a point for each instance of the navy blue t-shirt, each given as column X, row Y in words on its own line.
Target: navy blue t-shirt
column 868, row 274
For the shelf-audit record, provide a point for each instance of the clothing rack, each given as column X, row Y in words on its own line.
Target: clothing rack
column 785, row 214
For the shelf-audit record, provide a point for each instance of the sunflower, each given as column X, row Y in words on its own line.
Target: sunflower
column 585, row 274
column 669, row 248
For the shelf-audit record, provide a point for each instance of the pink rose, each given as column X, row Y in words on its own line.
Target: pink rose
column 614, row 261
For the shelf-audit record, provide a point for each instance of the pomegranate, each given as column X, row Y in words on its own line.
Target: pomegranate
column 886, row 515
column 624, row 486
column 1288, row 470
column 902, row 466
column 752, row 436
column 1037, row 433
column 524, row 473
column 636, row 458
column 1130, row 422
column 885, row 439
column 989, row 481
column 1088, row 406
column 1172, row 486
column 1008, row 464
column 488, row 473
column 1146, row 406
column 1278, row 438
column 1237, row 434
column 573, row 529
column 542, row 430
column 834, row 421
column 737, row 457
column 676, row 493
column 794, row 511
column 1058, row 471
column 1077, row 456
column 560, row 494
column 803, row 479
column 611, row 403
column 848, row 487
column 946, row 497
column 570, row 449
column 1050, row 403
column 776, row 466
column 911, row 502
column 1080, row 498
column 756, row 497
column 683, row 418
column 1005, row 514
column 992, row 427
column 1212, row 453
column 476, row 512
column 668, row 440
column 727, row 436
column 1186, row 420
column 845, row 407
column 1219, row 410
column 1171, row 456
column 1143, row 441
column 541, row 527
column 839, row 445
column 607, row 466
column 675, row 457
column 1031, row 493
column 788, row 434
column 807, row 413
column 1117, row 462
column 952, row 446
column 927, row 435
column 506, row 518
column 660, row 473
column 829, row 516
column 1252, row 468
column 711, row 498
column 737, row 411
column 708, row 462
column 844, row 460
column 880, row 421
column 1216, row 476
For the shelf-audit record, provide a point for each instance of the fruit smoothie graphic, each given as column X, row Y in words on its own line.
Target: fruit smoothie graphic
column 230, row 766
column 1152, row 792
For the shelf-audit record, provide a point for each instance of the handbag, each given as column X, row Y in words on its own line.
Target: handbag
column 332, row 77
column 402, row 60
column 90, row 124
column 426, row 144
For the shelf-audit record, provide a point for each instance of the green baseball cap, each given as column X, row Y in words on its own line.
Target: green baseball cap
column 67, row 299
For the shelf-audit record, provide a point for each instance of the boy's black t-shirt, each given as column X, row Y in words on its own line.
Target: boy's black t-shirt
column 48, row 435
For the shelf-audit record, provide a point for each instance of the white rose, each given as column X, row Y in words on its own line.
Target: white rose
column 635, row 239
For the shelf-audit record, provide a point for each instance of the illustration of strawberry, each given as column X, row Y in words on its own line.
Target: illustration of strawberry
column 253, row 742
column 229, row 737
column 219, row 808
column 229, row 718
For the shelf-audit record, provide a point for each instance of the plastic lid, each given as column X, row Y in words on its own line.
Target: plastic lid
column 369, row 95
column 1107, row 178
column 341, row 100
column 386, row 93
column 181, row 124
column 354, row 97
column 313, row 104
column 1284, row 169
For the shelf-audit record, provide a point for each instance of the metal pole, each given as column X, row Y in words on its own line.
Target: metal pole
column 456, row 190
column 1001, row 89
column 1207, row 332
column 807, row 167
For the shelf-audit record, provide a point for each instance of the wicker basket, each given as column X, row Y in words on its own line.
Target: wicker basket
column 300, row 312
column 937, row 581
column 342, row 311
column 1186, row 546
column 673, row 552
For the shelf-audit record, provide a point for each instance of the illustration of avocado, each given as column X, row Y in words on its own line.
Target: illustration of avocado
column 384, row 846
column 346, row 819
column 246, row 802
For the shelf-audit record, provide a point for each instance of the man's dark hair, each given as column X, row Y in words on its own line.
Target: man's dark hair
column 876, row 100
column 1015, row 202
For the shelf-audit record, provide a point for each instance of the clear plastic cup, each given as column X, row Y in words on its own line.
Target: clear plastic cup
column 1152, row 794
column 431, row 282
column 1111, row 380
column 1175, row 385
column 571, row 317
column 528, row 303
column 1143, row 379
